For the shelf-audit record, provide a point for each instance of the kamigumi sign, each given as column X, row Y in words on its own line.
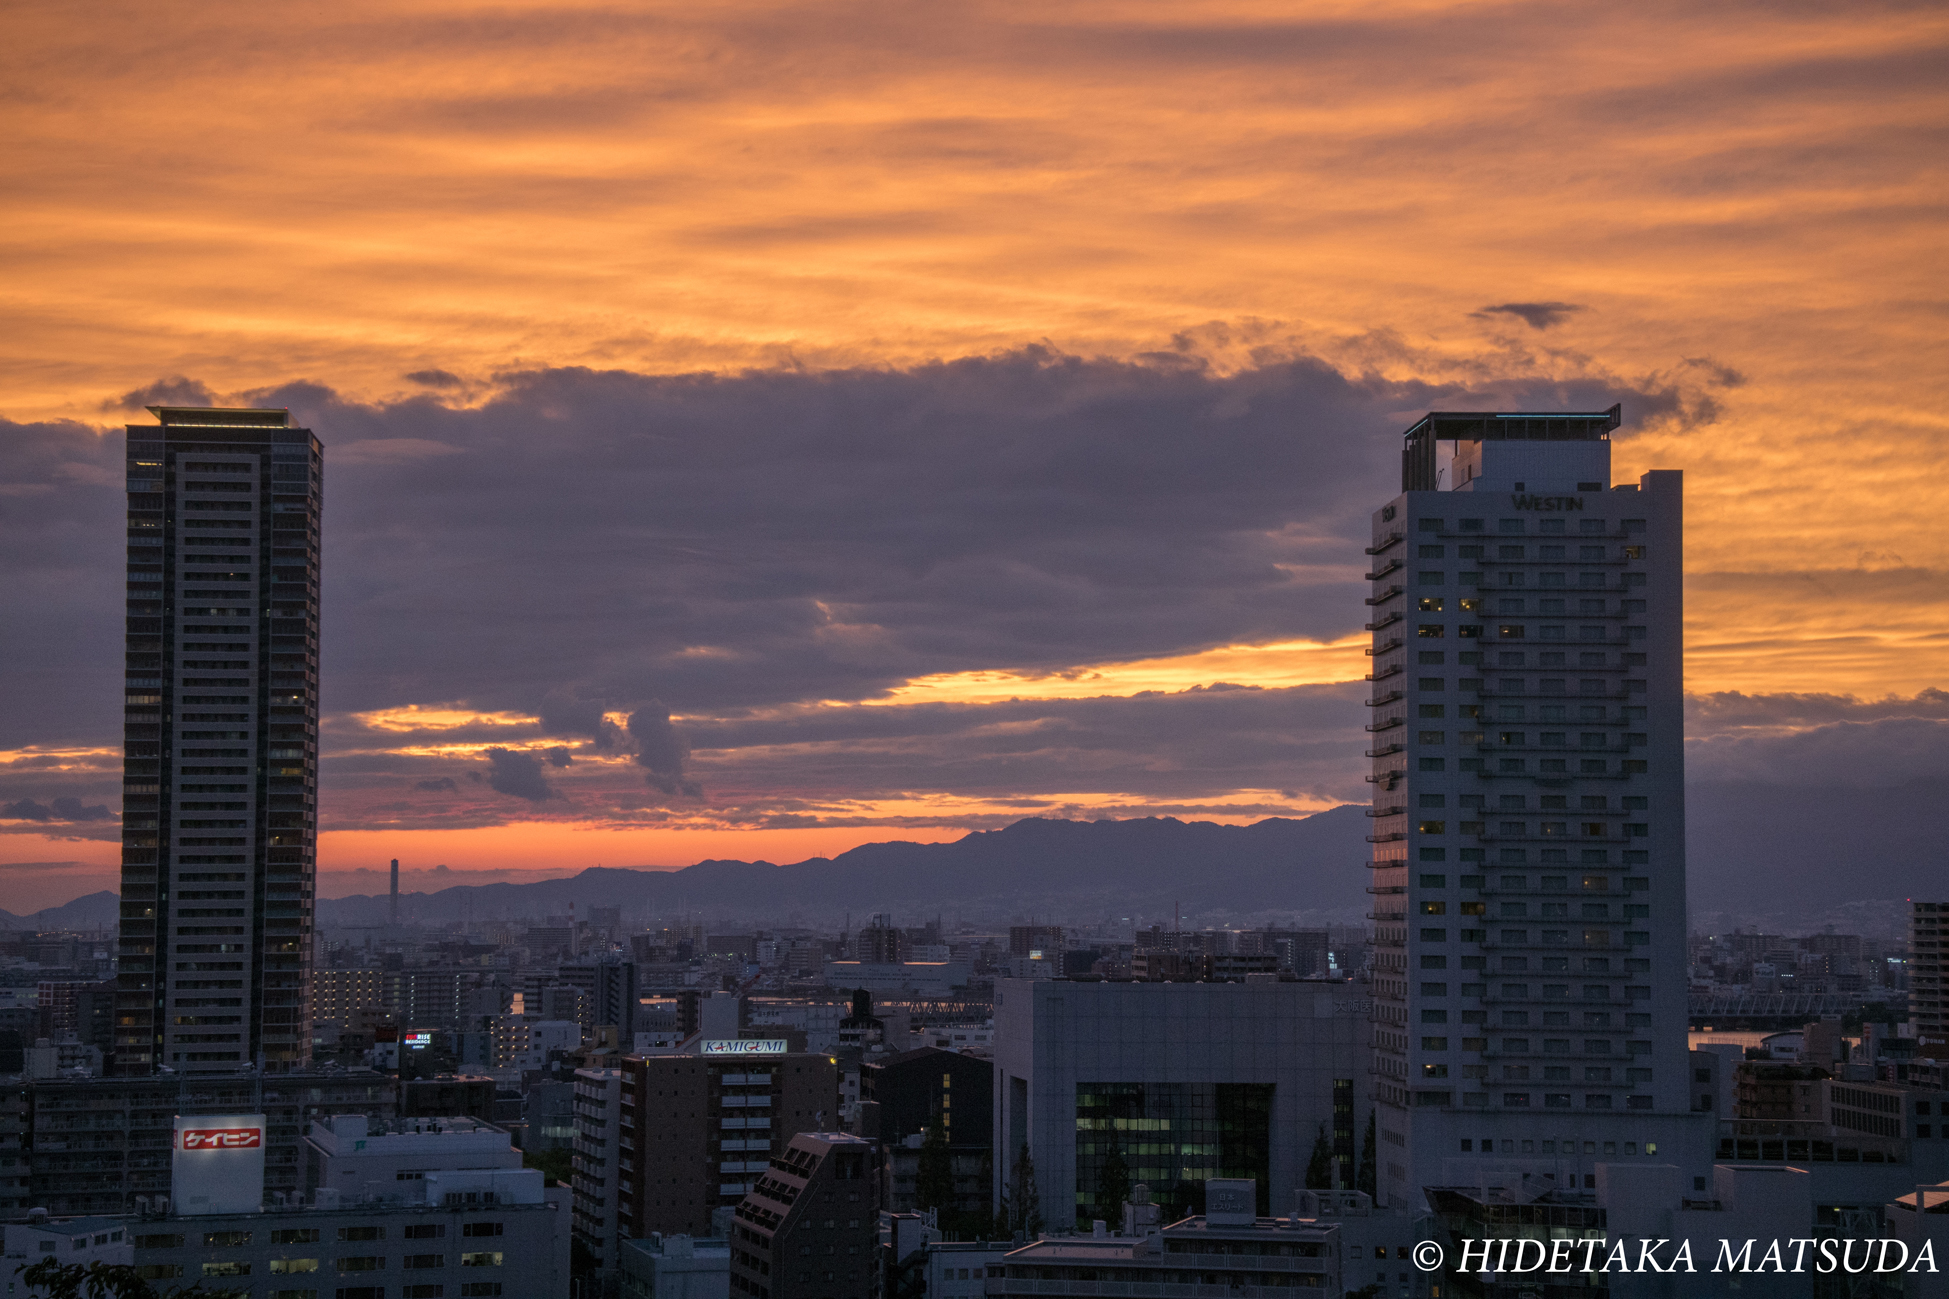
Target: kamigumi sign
column 746, row 1046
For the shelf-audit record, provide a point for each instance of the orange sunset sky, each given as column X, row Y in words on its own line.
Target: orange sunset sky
column 773, row 428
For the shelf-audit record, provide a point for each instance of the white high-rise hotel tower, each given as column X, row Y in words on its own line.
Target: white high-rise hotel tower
column 1529, row 810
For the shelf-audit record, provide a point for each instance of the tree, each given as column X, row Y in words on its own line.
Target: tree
column 1368, row 1180
column 1319, row 1168
column 1113, row 1184
column 557, row 1165
column 109, row 1281
column 1024, row 1201
column 936, row 1185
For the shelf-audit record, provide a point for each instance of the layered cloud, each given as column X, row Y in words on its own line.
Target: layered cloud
column 848, row 417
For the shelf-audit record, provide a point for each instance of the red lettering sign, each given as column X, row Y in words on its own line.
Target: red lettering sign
column 222, row 1138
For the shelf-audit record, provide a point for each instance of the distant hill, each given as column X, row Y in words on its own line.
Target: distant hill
column 95, row 911
column 1063, row 868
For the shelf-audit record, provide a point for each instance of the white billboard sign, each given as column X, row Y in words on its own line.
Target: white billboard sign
column 746, row 1046
column 217, row 1164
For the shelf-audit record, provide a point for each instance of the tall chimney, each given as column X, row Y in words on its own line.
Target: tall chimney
column 395, row 910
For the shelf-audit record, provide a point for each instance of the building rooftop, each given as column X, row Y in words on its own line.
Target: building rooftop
column 210, row 416
column 1534, row 426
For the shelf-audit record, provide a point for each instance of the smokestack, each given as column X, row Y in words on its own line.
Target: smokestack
column 395, row 900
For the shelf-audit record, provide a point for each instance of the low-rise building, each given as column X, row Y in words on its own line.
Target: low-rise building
column 1228, row 1249
column 511, row 1243
column 350, row 1159
column 958, row 1269
column 69, row 1241
column 675, row 1267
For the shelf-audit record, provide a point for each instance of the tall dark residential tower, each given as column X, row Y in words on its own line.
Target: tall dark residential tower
column 1928, row 937
column 1527, row 747
column 220, row 774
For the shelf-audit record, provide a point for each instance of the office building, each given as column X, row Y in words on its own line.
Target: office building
column 697, row 1129
column 1181, row 1082
column 1928, row 993
column 220, row 773
column 1527, row 735
column 810, row 1226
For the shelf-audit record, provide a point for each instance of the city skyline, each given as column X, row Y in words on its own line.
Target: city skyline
column 840, row 432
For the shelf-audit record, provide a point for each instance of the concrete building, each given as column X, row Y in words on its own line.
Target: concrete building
column 1230, row 1249
column 95, row 1144
column 220, row 767
column 809, row 1229
column 675, row 1267
column 1527, row 727
column 351, row 1159
column 598, row 1165
column 1185, row 1081
column 697, row 1130
column 1928, row 978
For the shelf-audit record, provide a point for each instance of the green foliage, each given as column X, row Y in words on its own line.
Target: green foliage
column 1113, row 1186
column 1869, row 1012
column 108, row 1281
column 582, row 1260
column 1024, row 1201
column 936, row 1183
column 557, row 1165
column 1319, row 1168
column 1369, row 1180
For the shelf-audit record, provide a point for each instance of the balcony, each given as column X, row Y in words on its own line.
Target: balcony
column 1391, row 566
column 1384, row 596
column 1391, row 539
column 1393, row 617
column 1392, row 643
column 1391, row 696
column 1391, row 670
column 1397, row 810
column 1392, row 747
